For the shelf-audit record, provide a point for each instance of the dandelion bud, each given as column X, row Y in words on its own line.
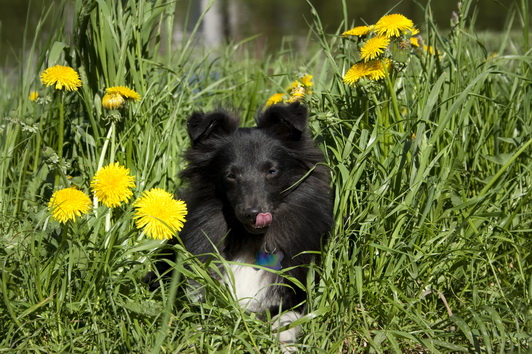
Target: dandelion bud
column 401, row 51
column 116, row 96
column 34, row 95
column 454, row 18
column 420, row 42
column 112, row 100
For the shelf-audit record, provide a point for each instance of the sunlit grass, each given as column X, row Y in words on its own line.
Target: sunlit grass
column 431, row 249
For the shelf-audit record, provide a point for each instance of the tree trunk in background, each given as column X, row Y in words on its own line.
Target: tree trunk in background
column 216, row 23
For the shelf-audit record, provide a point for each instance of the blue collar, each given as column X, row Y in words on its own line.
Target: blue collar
column 270, row 260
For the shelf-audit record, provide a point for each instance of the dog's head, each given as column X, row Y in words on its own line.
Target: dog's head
column 253, row 170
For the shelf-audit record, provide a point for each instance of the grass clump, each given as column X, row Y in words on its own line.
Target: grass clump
column 430, row 159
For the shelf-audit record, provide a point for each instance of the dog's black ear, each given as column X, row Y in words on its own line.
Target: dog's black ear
column 204, row 125
column 288, row 122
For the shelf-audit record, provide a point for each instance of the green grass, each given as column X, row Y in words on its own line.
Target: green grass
column 432, row 245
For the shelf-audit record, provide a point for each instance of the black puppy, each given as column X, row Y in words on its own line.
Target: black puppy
column 260, row 196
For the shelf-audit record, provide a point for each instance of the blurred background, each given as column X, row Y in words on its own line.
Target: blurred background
column 268, row 22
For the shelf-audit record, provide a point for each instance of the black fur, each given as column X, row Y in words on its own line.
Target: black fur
column 235, row 173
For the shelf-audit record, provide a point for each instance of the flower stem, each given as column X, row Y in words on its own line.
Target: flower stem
column 113, row 143
column 108, row 220
column 393, row 96
column 111, row 160
column 38, row 144
column 60, row 139
column 102, row 156
column 383, row 124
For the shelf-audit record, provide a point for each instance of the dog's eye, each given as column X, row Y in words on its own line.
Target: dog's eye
column 230, row 176
column 273, row 172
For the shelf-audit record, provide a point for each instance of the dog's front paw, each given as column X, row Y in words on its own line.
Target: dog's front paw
column 289, row 336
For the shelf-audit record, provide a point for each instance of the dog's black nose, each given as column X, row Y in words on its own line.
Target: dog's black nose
column 251, row 214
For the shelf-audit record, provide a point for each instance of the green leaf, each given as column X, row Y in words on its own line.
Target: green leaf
column 55, row 54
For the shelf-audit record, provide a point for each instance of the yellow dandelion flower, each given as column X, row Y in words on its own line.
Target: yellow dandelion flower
column 112, row 100
column 293, row 85
column 358, row 31
column 33, row 96
column 61, row 76
column 306, row 80
column 372, row 70
column 68, row 203
column 414, row 41
column 393, row 25
column 116, row 96
column 275, row 98
column 159, row 214
column 296, row 95
column 355, row 73
column 375, row 69
column 125, row 92
column 430, row 49
column 374, row 47
column 112, row 185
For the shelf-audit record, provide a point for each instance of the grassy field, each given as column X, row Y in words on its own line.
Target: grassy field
column 432, row 245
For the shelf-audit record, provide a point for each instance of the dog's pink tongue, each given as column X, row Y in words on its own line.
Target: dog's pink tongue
column 263, row 220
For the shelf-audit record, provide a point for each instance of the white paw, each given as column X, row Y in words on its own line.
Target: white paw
column 289, row 336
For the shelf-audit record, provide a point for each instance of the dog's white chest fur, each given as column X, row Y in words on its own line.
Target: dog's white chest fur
column 252, row 287
column 256, row 290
